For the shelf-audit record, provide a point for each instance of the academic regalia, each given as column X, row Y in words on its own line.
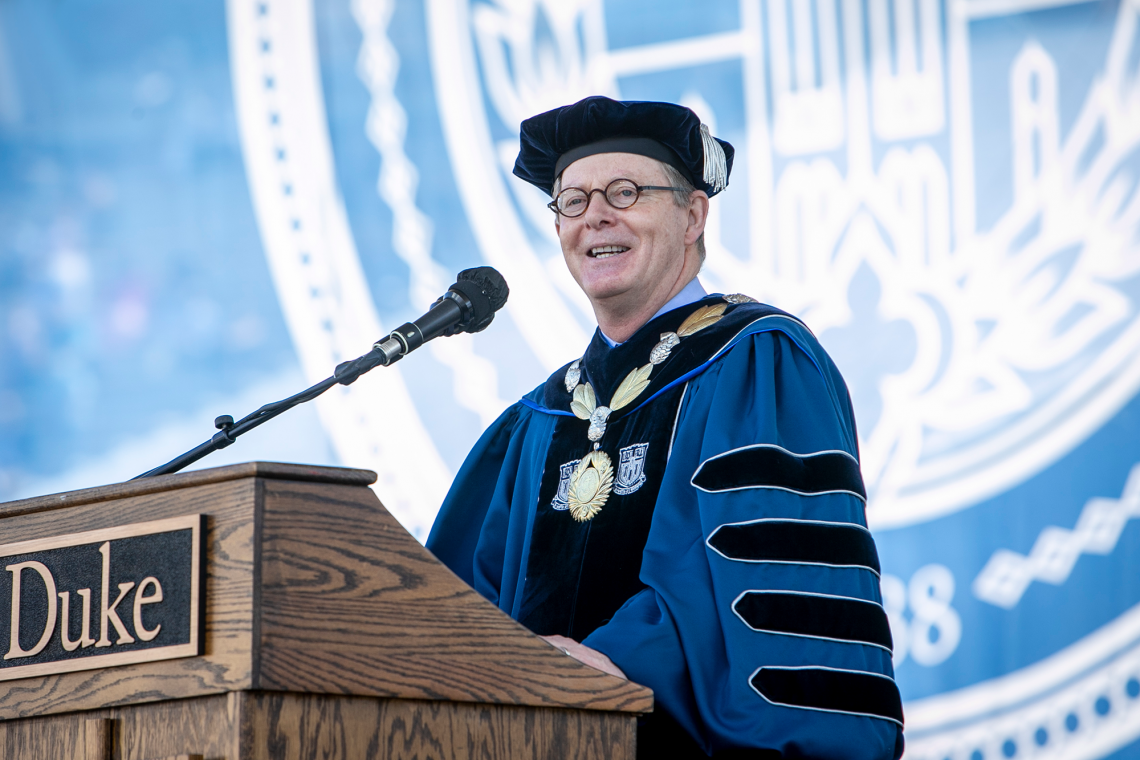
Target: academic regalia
column 729, row 568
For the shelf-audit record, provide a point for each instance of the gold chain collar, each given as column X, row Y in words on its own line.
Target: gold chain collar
column 592, row 481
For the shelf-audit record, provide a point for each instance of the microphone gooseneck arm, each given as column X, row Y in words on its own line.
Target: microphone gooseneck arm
column 468, row 306
column 228, row 430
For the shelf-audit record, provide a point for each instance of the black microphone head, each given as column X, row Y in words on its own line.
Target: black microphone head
column 487, row 291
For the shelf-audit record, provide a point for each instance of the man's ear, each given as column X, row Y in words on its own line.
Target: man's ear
column 698, row 215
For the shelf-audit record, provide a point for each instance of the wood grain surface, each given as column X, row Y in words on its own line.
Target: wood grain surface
column 352, row 604
column 254, row 725
column 311, row 587
column 227, row 660
column 206, row 726
column 98, row 738
column 307, row 727
column 166, row 483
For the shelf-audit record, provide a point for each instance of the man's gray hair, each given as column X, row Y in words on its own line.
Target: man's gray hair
column 680, row 196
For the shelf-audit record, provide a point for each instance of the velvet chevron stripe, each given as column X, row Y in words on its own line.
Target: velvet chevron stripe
column 831, row 690
column 768, row 466
column 838, row 618
column 807, row 542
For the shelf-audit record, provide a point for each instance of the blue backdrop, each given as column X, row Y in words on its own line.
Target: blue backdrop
column 205, row 206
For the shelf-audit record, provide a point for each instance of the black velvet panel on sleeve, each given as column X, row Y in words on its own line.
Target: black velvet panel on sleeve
column 814, row 615
column 798, row 542
column 767, row 466
column 843, row 691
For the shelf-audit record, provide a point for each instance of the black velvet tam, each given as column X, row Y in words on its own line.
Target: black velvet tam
column 668, row 132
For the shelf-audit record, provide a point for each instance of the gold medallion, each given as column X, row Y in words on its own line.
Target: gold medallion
column 590, row 485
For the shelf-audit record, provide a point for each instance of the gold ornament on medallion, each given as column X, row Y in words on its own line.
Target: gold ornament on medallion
column 590, row 485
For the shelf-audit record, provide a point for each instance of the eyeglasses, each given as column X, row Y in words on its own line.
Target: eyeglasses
column 621, row 193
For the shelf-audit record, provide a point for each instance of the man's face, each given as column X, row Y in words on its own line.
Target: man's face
column 624, row 258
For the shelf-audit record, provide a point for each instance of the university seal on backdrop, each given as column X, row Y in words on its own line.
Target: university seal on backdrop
column 945, row 192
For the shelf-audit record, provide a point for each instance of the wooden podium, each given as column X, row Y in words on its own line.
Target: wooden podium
column 327, row 632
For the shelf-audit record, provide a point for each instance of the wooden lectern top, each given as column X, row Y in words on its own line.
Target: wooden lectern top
column 311, row 586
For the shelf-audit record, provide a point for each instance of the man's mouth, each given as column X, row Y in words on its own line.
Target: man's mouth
column 605, row 251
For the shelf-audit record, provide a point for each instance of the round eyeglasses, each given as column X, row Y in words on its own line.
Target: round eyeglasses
column 621, row 193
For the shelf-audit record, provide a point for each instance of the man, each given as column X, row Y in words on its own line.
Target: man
column 681, row 505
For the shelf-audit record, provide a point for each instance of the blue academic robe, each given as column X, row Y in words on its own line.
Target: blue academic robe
column 730, row 570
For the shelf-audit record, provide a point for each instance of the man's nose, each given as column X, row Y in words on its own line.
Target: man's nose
column 599, row 212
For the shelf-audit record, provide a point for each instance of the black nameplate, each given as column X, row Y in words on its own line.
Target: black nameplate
column 102, row 598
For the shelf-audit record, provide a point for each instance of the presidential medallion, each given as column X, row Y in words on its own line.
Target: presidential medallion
column 590, row 485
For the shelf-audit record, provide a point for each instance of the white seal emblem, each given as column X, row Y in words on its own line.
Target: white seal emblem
column 631, row 469
column 561, row 501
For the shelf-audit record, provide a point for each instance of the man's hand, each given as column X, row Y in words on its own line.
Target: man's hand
column 585, row 655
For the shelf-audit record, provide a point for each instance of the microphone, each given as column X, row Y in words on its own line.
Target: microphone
column 468, row 306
